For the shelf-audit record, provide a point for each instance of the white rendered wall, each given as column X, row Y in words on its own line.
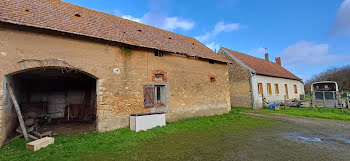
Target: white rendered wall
column 274, row 98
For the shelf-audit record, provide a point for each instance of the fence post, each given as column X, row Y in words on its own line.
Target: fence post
column 285, row 101
column 313, row 99
column 262, row 101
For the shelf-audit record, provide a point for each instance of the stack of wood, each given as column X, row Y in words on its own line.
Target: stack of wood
column 31, row 124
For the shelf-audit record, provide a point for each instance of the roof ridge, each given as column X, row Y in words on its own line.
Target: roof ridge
column 261, row 65
column 251, row 56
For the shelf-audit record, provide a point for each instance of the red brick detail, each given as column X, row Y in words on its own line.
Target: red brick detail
column 165, row 79
column 212, row 77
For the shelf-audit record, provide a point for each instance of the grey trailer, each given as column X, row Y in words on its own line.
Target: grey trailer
column 325, row 94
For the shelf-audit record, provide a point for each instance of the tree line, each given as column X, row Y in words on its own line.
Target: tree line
column 341, row 75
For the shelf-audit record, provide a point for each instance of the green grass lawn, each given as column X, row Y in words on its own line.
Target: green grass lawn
column 119, row 143
column 325, row 113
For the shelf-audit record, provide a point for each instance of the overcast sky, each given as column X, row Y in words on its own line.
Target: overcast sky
column 309, row 35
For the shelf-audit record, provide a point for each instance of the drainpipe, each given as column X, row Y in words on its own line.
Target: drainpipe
column 251, row 89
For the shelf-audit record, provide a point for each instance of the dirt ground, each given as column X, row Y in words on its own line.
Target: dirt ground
column 68, row 128
column 290, row 138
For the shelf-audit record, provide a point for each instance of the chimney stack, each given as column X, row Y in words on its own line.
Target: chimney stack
column 267, row 57
column 278, row 61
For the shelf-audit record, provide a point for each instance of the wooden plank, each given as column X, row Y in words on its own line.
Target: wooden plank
column 40, row 143
column 18, row 111
column 32, row 137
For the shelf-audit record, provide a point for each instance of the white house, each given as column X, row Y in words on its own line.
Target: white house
column 252, row 79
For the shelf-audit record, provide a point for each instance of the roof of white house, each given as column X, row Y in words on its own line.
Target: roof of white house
column 260, row 66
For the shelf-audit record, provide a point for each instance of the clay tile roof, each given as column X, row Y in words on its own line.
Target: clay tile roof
column 261, row 66
column 66, row 17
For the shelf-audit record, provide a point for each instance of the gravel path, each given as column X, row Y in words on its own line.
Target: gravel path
column 287, row 138
column 300, row 138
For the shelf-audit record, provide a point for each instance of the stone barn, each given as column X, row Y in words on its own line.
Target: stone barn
column 73, row 68
column 253, row 80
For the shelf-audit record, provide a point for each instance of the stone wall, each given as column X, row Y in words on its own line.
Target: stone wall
column 120, row 76
column 2, row 121
column 239, row 80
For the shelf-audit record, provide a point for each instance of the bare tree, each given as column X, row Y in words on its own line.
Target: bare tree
column 340, row 75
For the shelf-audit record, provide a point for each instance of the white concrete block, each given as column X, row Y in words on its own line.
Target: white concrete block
column 147, row 121
column 41, row 143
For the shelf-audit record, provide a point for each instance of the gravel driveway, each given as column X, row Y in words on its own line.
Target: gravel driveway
column 298, row 138
column 288, row 138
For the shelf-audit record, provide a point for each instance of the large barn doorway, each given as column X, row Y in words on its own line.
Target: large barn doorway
column 57, row 99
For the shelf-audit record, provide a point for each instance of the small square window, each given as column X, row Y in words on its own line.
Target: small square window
column 158, row 53
column 158, row 77
column 212, row 79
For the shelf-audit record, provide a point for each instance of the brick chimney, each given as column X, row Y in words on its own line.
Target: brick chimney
column 267, row 57
column 278, row 61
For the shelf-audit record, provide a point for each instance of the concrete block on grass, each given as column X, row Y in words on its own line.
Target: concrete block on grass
column 39, row 144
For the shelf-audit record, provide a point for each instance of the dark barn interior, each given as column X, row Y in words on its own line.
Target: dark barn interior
column 56, row 99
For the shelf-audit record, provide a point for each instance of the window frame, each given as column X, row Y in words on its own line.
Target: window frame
column 295, row 88
column 159, row 76
column 277, row 90
column 260, row 89
column 164, row 107
column 159, row 89
column 286, row 90
column 269, row 90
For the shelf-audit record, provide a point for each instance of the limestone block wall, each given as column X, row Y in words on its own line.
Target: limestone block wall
column 120, row 77
column 239, row 80
column 2, row 122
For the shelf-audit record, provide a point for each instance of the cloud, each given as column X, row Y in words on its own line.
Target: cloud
column 309, row 53
column 342, row 23
column 157, row 17
column 129, row 17
column 172, row 23
column 219, row 27
column 163, row 22
column 213, row 46
column 154, row 18
column 259, row 52
column 116, row 12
